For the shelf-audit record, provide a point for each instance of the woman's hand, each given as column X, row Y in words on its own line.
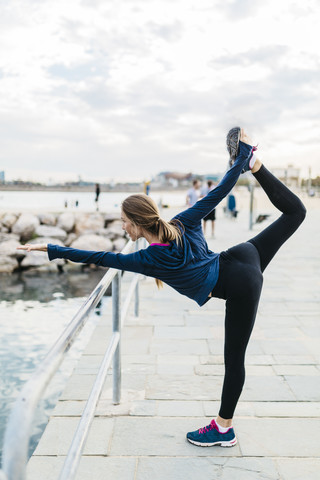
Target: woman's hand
column 245, row 138
column 40, row 247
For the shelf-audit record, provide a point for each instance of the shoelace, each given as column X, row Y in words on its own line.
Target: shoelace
column 209, row 427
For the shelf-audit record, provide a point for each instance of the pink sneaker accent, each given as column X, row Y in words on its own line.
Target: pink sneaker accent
column 212, row 426
column 253, row 157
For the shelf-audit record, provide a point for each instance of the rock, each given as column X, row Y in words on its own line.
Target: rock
column 48, row 231
column 66, row 221
column 35, row 259
column 8, row 236
column 115, row 231
column 46, row 240
column 103, row 232
column 47, row 219
column 9, row 249
column 4, row 229
column 89, row 222
column 119, row 244
column 9, row 220
column 70, row 238
column 39, row 259
column 116, row 224
column 7, row 264
column 93, row 242
column 111, row 217
column 25, row 226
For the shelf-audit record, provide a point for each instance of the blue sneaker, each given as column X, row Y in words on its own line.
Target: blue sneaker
column 210, row 436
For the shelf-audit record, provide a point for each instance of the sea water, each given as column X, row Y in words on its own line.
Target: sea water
column 77, row 201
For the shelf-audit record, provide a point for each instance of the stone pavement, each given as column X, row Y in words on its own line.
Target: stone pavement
column 172, row 378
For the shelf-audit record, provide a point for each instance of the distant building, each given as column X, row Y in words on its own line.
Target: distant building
column 2, row 177
column 289, row 175
column 173, row 179
column 179, row 179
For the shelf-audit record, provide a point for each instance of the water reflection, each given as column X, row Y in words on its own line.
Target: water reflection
column 43, row 286
column 34, row 309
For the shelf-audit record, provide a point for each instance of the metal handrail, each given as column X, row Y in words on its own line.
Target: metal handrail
column 18, row 431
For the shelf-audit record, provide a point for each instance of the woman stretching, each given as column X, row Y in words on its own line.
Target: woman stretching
column 179, row 256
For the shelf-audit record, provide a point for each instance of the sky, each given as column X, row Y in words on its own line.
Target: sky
column 123, row 89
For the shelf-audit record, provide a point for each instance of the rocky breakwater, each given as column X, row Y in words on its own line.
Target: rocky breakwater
column 87, row 231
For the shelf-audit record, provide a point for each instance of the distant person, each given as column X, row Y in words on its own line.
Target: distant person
column 146, row 187
column 97, row 195
column 212, row 215
column 178, row 255
column 193, row 194
column 232, row 206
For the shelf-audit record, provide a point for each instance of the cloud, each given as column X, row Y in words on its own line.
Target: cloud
column 78, row 73
column 170, row 32
column 114, row 87
column 269, row 55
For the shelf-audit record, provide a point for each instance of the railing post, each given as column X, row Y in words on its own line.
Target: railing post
column 251, row 190
column 116, row 373
column 136, row 291
column 136, row 301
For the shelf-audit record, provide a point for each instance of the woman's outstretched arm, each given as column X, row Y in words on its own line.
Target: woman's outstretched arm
column 194, row 214
column 132, row 262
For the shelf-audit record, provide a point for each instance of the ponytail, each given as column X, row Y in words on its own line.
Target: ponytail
column 168, row 231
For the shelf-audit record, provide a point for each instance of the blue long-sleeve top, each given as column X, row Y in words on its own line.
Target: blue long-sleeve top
column 187, row 266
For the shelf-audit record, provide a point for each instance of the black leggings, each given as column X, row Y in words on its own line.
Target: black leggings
column 240, row 283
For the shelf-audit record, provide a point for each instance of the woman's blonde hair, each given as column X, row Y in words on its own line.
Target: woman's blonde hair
column 143, row 212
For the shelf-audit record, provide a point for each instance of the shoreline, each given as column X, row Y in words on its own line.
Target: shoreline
column 89, row 188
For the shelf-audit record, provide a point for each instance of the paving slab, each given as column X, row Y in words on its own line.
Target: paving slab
column 298, row 370
column 211, row 360
column 299, row 468
column 173, row 408
column 266, row 388
column 91, row 467
column 249, row 468
column 209, row 370
column 79, row 386
column 57, row 437
column 105, row 408
column 175, row 369
column 304, row 387
column 177, row 347
column 185, row 333
column 286, row 409
column 144, row 408
column 178, row 359
column 178, row 468
column 182, row 387
column 287, row 346
column 285, row 359
column 278, row 438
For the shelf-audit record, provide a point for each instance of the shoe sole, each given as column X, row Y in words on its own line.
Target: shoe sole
column 233, row 157
column 231, row 443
